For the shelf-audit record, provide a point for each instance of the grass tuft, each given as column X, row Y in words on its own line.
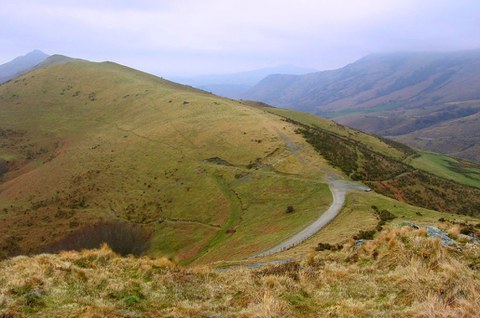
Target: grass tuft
column 400, row 273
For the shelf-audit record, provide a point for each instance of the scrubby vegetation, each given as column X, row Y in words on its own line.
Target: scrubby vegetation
column 401, row 273
column 390, row 176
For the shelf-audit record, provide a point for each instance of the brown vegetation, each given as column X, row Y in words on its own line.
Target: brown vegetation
column 391, row 177
column 401, row 273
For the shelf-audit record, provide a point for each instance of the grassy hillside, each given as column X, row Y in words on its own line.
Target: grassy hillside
column 98, row 152
column 386, row 166
column 94, row 147
column 360, row 215
column 94, row 152
column 461, row 171
column 401, row 273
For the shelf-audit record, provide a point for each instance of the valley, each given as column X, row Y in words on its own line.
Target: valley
column 239, row 159
column 428, row 100
column 141, row 171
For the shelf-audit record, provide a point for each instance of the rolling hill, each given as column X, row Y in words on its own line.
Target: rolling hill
column 21, row 65
column 94, row 152
column 168, row 176
column 98, row 147
column 405, row 95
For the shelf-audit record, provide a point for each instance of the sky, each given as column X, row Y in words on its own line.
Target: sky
column 187, row 37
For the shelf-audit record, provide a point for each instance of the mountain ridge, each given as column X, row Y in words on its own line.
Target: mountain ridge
column 21, row 65
column 388, row 94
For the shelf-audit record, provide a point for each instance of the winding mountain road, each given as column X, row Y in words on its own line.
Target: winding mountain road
column 339, row 189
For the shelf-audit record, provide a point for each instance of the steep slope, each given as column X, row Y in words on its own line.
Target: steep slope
column 382, row 81
column 21, row 65
column 95, row 148
column 391, row 95
column 395, row 170
column 458, row 137
column 450, row 128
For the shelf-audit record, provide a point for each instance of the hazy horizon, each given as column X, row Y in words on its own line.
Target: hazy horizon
column 188, row 38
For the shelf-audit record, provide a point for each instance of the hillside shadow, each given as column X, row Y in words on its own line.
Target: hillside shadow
column 123, row 238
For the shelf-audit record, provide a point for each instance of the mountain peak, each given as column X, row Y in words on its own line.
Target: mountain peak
column 37, row 52
column 21, row 65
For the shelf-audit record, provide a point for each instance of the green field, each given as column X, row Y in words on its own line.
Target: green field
column 458, row 170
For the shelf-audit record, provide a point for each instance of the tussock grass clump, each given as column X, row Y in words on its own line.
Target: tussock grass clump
column 400, row 273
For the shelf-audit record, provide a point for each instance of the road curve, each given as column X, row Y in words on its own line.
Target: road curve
column 339, row 190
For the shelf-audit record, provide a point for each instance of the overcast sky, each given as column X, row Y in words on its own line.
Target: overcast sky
column 187, row 37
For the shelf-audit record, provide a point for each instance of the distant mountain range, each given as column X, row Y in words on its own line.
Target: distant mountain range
column 21, row 65
column 423, row 99
column 234, row 85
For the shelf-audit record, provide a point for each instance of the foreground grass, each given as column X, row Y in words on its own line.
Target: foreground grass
column 401, row 273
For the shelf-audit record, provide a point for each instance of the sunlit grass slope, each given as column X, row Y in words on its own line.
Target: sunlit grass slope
column 359, row 215
column 206, row 178
column 391, row 168
column 401, row 273
column 459, row 170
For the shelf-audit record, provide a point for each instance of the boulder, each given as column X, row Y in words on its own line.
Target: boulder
column 435, row 232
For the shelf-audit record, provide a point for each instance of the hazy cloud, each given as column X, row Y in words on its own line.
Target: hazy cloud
column 187, row 36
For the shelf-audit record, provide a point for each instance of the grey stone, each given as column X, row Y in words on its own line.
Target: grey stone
column 359, row 243
column 435, row 232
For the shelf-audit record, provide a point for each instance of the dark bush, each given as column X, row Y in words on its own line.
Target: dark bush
column 365, row 235
column 123, row 238
column 329, row 247
column 385, row 215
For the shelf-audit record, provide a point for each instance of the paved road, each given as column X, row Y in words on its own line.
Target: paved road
column 339, row 188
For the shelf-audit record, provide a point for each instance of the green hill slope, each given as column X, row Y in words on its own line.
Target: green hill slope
column 94, row 152
column 391, row 168
column 90, row 147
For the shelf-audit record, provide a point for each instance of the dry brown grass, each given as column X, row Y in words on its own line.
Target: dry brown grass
column 401, row 273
